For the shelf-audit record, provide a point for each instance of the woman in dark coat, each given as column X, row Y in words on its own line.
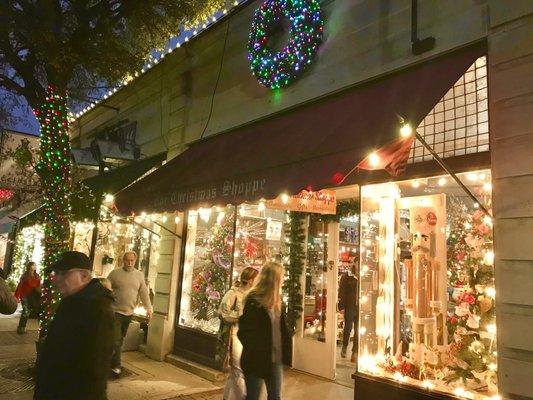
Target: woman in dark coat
column 267, row 344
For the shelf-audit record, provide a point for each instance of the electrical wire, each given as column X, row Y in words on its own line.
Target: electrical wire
column 216, row 83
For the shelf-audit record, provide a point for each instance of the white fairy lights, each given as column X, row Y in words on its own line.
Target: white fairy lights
column 406, row 130
column 373, row 159
column 155, row 60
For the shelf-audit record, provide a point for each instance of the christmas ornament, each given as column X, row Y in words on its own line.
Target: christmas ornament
column 279, row 69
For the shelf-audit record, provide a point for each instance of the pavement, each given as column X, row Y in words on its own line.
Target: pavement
column 143, row 378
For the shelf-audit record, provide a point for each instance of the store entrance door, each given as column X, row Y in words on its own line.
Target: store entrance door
column 315, row 339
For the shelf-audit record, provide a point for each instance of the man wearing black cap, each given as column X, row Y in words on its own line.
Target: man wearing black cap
column 74, row 360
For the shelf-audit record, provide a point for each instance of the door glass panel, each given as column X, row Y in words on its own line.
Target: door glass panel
column 316, row 282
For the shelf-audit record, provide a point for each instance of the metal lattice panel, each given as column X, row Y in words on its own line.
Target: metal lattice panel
column 459, row 123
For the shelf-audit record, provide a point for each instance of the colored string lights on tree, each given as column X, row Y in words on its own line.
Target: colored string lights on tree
column 54, row 169
column 5, row 195
column 279, row 69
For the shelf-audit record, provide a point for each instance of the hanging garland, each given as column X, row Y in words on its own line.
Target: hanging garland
column 294, row 268
column 279, row 69
column 346, row 208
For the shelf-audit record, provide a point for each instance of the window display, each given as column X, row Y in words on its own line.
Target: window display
column 213, row 259
column 29, row 246
column 316, row 281
column 427, row 313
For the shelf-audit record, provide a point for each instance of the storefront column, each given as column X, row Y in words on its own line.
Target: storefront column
column 511, row 126
column 161, row 327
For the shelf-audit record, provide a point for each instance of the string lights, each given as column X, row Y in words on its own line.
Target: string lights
column 54, row 170
column 128, row 79
column 278, row 69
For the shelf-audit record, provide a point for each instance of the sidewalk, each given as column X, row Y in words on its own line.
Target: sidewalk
column 143, row 378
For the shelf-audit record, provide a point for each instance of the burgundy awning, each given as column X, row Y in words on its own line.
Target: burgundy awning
column 310, row 147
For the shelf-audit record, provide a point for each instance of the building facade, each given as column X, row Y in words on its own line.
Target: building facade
column 205, row 89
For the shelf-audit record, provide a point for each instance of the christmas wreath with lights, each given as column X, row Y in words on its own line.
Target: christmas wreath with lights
column 279, row 69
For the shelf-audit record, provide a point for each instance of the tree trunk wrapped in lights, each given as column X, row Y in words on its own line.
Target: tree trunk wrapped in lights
column 54, row 169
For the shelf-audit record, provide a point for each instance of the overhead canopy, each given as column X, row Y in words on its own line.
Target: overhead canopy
column 109, row 182
column 311, row 147
column 117, row 179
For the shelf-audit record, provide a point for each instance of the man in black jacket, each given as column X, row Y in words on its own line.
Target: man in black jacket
column 349, row 305
column 74, row 360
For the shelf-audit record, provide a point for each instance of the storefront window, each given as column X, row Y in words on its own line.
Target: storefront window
column 316, row 281
column 29, row 246
column 427, row 309
column 3, row 249
column 213, row 260
column 260, row 237
column 82, row 237
column 207, row 266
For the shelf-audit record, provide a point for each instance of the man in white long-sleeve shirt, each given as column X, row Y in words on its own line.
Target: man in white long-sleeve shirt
column 128, row 284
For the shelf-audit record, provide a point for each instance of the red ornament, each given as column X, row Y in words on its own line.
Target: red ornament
column 337, row 178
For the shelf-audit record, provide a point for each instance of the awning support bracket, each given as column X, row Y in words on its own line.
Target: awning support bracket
column 447, row 168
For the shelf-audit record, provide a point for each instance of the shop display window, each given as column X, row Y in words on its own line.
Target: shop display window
column 427, row 308
column 82, row 236
column 316, row 281
column 29, row 246
column 220, row 243
column 115, row 237
column 3, row 249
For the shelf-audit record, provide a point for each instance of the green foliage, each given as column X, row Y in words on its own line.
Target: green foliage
column 472, row 310
column 345, row 208
column 294, row 268
column 74, row 44
column 23, row 155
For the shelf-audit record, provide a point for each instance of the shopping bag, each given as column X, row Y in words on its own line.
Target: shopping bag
column 235, row 388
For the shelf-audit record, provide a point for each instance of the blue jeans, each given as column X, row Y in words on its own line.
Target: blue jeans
column 273, row 384
column 122, row 322
column 25, row 314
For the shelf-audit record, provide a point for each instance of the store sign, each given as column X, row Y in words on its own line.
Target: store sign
column 274, row 230
column 321, row 202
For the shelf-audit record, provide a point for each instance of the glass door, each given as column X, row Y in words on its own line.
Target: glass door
column 315, row 339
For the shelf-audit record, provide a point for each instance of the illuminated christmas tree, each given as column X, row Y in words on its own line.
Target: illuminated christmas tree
column 471, row 314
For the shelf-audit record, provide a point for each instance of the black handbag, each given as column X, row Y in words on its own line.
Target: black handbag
column 34, row 302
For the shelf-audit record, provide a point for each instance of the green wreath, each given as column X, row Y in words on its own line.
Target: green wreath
column 278, row 69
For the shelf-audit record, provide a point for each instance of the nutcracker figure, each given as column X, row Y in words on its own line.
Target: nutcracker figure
column 422, row 283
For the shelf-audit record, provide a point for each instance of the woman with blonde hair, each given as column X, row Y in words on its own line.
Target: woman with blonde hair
column 267, row 344
column 230, row 309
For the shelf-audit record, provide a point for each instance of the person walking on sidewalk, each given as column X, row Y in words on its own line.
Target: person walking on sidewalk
column 8, row 303
column 128, row 284
column 230, row 309
column 264, row 335
column 73, row 361
column 28, row 292
column 349, row 306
